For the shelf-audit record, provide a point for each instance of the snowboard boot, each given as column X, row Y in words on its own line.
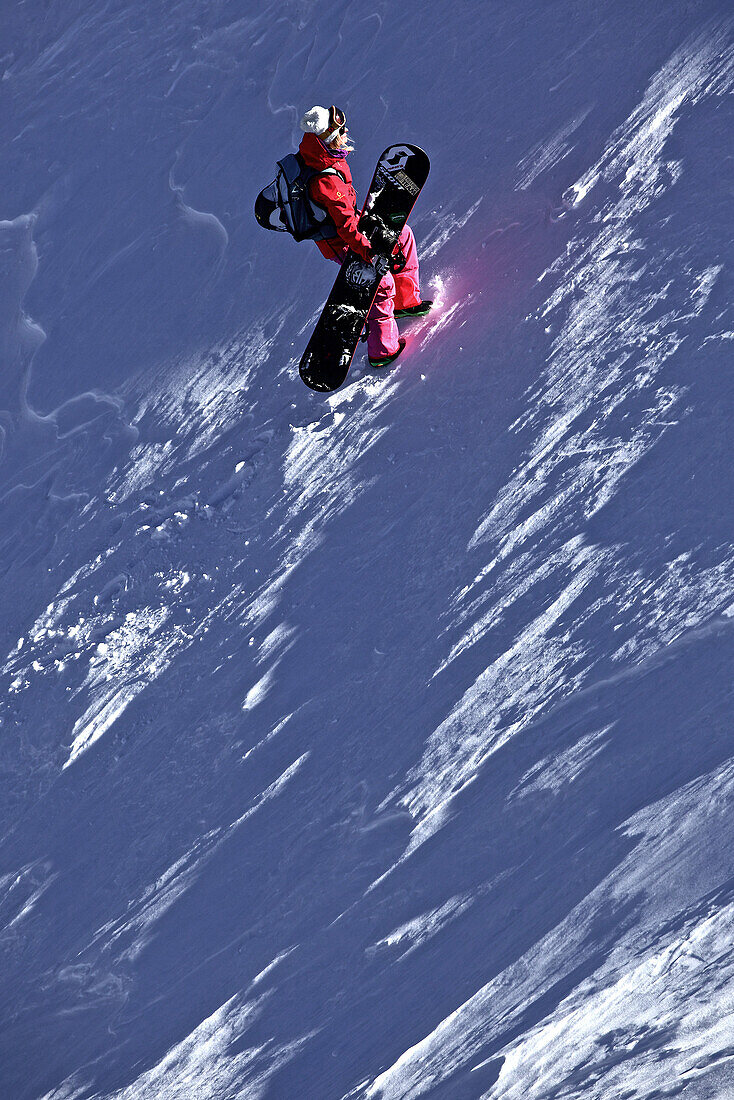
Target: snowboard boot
column 387, row 359
column 415, row 311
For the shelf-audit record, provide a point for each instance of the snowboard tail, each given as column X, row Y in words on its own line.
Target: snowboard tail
column 399, row 177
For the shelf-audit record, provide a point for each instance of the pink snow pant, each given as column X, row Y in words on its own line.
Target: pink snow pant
column 396, row 291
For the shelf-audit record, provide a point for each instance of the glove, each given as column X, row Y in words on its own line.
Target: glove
column 381, row 236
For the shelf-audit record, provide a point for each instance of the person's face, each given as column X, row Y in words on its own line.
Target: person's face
column 341, row 138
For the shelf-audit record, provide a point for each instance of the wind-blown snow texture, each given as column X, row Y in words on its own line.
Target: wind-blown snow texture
column 380, row 745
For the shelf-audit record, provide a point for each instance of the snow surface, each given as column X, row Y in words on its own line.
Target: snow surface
column 376, row 745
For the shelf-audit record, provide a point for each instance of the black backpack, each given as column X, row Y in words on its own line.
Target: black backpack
column 286, row 206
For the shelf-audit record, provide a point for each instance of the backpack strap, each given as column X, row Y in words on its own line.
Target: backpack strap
column 330, row 172
column 313, row 172
column 328, row 224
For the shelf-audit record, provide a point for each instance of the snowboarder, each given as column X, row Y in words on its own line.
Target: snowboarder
column 325, row 147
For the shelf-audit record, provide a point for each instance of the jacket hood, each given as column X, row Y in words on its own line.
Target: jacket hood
column 316, row 156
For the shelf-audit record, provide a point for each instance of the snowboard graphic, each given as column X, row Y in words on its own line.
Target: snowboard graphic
column 399, row 176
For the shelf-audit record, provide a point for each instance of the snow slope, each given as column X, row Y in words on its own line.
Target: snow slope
column 376, row 745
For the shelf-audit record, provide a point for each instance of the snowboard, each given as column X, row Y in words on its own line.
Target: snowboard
column 399, row 176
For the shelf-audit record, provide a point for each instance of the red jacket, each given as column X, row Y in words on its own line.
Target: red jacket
column 337, row 196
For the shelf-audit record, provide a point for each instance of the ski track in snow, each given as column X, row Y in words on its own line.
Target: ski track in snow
column 137, row 926
column 202, row 1064
column 546, row 154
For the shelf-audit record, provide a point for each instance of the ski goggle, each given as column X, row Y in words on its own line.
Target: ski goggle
column 337, row 124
